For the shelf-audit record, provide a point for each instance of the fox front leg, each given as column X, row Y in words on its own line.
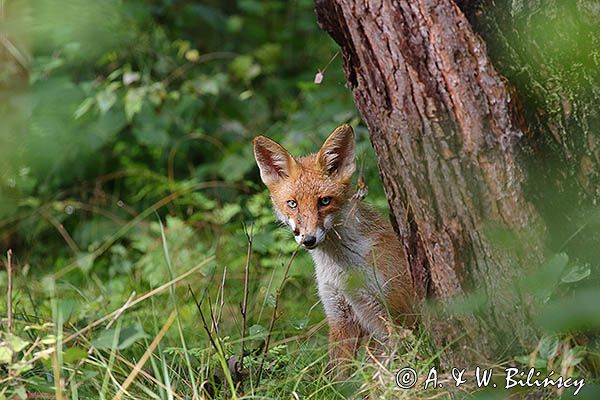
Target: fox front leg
column 345, row 332
column 345, row 337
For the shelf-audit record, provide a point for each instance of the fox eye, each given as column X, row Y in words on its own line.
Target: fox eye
column 324, row 201
column 292, row 204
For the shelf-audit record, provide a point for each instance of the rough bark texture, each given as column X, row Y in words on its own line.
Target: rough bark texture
column 443, row 125
column 550, row 51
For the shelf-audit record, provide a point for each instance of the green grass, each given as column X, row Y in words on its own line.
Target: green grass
column 124, row 314
column 154, row 312
column 153, row 344
column 138, row 187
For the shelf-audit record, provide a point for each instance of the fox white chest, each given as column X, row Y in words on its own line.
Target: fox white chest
column 348, row 283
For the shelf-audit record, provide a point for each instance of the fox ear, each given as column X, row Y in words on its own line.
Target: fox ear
column 273, row 160
column 336, row 156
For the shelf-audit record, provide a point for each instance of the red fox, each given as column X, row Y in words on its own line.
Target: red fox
column 362, row 272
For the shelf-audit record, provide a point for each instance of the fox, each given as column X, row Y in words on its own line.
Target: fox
column 362, row 274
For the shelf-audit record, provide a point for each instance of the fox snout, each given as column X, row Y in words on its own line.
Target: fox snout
column 309, row 238
column 309, row 241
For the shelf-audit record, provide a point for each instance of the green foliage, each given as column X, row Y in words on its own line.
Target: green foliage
column 118, row 338
column 132, row 113
column 129, row 114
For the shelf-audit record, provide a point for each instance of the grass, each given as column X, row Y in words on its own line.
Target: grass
column 168, row 342
column 78, row 334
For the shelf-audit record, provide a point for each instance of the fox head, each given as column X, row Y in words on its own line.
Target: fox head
column 310, row 192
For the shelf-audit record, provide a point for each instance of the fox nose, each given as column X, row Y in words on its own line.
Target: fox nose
column 309, row 241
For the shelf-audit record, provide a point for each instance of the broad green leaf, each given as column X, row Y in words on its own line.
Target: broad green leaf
column 269, row 54
column 48, row 339
column 74, row 354
column 134, row 100
column 235, row 166
column 15, row 342
column 466, row 304
column 543, row 282
column 501, row 237
column 574, row 356
column 106, row 99
column 130, row 77
column 549, row 346
column 558, row 262
column 5, row 353
column 227, row 212
column 579, row 311
column 192, row 55
column 84, row 107
column 151, row 128
column 209, row 85
column 244, row 68
column 270, row 300
column 127, row 336
column 21, row 367
column 10, row 345
column 68, row 308
column 576, row 274
column 526, row 360
column 299, row 324
column 235, row 23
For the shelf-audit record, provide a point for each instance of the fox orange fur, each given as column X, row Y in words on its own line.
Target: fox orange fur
column 362, row 274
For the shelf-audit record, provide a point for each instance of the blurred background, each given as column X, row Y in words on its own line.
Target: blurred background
column 116, row 116
column 109, row 106
column 126, row 162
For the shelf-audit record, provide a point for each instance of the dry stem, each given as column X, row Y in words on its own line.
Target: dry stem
column 245, row 302
column 9, row 294
column 274, row 315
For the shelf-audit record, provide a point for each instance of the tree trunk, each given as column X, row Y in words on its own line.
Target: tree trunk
column 444, row 128
column 549, row 51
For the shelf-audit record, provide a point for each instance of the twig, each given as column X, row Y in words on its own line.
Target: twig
column 204, row 324
column 337, row 53
column 215, row 344
column 321, row 72
column 63, row 232
column 138, row 367
column 9, row 311
column 149, row 377
column 121, row 310
column 14, row 51
column 306, row 334
column 274, row 315
column 213, row 320
column 32, row 347
column 246, row 283
column 222, row 295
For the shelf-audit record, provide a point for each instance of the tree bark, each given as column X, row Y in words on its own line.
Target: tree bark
column 549, row 51
column 444, row 127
